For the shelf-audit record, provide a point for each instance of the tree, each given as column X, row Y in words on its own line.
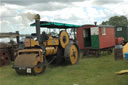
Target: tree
column 116, row 21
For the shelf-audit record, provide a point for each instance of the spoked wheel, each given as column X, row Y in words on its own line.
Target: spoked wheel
column 71, row 54
column 64, row 39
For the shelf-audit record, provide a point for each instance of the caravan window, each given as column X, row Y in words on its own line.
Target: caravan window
column 119, row 29
column 85, row 33
column 103, row 31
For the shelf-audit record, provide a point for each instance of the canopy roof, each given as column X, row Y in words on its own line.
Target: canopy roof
column 56, row 25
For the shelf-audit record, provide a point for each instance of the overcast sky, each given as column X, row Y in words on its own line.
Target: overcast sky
column 14, row 13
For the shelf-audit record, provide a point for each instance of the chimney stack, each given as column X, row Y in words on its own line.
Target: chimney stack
column 37, row 22
column 95, row 23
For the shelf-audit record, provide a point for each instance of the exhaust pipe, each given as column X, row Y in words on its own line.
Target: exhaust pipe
column 37, row 22
column 95, row 23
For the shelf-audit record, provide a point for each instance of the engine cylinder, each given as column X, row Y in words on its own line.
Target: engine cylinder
column 51, row 51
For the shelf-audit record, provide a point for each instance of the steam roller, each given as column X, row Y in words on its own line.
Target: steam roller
column 42, row 49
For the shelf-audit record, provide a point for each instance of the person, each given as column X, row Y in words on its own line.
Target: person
column 43, row 38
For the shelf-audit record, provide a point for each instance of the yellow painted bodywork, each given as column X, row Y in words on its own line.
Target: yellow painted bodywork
column 34, row 43
column 53, row 42
column 51, row 45
column 49, row 42
column 51, row 51
column 125, row 48
column 31, row 43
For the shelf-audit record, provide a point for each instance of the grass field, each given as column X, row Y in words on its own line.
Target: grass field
column 89, row 71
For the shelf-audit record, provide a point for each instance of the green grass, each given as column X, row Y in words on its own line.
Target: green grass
column 89, row 71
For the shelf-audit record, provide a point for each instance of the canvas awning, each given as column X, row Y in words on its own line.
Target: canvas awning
column 56, row 25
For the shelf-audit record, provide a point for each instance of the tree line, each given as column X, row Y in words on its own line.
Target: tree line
column 116, row 21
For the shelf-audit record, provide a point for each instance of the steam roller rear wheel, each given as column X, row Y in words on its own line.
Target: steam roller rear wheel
column 71, row 54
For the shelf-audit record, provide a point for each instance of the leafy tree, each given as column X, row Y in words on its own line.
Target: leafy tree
column 116, row 21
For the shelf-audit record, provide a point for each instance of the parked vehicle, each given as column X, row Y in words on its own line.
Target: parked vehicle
column 122, row 31
column 96, row 39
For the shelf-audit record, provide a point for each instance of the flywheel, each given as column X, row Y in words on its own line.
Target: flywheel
column 64, row 38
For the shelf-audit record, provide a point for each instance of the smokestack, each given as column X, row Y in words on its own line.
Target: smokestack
column 37, row 23
column 17, row 37
column 95, row 23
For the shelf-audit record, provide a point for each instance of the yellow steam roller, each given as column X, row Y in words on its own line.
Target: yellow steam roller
column 41, row 49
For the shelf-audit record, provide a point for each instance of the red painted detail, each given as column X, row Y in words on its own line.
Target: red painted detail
column 80, row 38
column 119, row 40
column 107, row 40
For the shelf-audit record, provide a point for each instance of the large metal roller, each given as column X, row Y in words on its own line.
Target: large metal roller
column 30, row 61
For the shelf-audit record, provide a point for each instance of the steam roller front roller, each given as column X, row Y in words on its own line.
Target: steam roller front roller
column 72, row 54
column 29, row 63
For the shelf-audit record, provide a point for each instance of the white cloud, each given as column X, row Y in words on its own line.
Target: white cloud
column 119, row 9
column 86, row 3
column 3, row 27
column 103, row 2
column 13, row 17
